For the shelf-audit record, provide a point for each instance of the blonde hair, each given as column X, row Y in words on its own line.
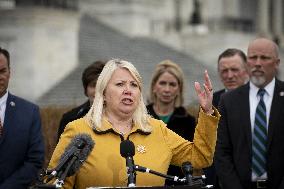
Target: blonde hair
column 96, row 113
column 175, row 70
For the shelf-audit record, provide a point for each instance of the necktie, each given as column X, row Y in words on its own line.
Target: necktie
column 259, row 142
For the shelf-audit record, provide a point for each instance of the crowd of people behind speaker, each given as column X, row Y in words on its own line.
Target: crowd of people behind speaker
column 118, row 113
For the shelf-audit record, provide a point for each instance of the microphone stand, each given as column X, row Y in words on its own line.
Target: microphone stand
column 62, row 174
column 147, row 170
column 193, row 181
column 60, row 181
column 58, row 169
column 131, row 172
column 187, row 171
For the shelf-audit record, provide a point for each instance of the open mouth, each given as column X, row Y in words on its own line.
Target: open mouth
column 127, row 101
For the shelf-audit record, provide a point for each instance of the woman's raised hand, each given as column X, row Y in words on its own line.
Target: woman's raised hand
column 205, row 96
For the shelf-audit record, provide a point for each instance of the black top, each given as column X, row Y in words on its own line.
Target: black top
column 72, row 115
column 181, row 123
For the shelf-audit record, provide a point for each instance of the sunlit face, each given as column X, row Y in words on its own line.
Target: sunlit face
column 4, row 75
column 262, row 62
column 232, row 72
column 122, row 94
column 90, row 91
column 166, row 88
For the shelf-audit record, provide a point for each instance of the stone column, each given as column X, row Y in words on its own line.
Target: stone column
column 277, row 17
column 263, row 17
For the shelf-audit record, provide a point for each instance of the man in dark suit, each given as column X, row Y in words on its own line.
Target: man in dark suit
column 89, row 80
column 241, row 109
column 232, row 71
column 21, row 141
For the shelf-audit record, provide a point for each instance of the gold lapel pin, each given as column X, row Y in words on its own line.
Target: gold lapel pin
column 141, row 149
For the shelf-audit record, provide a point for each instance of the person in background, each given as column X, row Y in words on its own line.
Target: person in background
column 21, row 140
column 89, row 80
column 166, row 100
column 249, row 151
column 232, row 71
column 233, row 74
column 118, row 113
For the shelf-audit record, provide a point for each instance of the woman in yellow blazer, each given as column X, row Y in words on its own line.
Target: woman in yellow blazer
column 119, row 113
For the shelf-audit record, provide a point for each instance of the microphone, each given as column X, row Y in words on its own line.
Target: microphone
column 187, row 171
column 192, row 180
column 127, row 150
column 74, row 155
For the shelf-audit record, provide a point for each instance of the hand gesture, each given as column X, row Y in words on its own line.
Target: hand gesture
column 205, row 96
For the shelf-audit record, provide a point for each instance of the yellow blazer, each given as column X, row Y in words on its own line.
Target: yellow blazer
column 155, row 150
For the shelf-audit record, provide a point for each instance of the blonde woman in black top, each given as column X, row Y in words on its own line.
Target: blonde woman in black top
column 166, row 100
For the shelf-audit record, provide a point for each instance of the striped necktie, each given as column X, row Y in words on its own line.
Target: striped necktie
column 259, row 142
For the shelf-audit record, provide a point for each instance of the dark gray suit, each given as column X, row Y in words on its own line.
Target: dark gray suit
column 233, row 149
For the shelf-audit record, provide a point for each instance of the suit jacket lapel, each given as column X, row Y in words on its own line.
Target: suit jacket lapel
column 245, row 112
column 275, row 111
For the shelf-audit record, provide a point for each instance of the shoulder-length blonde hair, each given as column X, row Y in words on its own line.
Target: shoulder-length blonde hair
column 96, row 113
column 175, row 70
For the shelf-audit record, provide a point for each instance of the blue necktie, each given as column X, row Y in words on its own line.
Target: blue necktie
column 259, row 140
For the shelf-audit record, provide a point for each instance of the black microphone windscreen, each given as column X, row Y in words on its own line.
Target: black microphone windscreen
column 83, row 142
column 127, row 148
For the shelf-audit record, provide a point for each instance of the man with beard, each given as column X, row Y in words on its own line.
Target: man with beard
column 249, row 151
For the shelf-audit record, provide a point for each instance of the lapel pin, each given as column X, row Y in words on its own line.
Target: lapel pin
column 12, row 104
column 281, row 93
column 141, row 149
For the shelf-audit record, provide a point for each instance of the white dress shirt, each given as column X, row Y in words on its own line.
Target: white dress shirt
column 3, row 103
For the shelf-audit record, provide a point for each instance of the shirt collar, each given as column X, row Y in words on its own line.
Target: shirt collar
column 269, row 88
column 3, row 99
column 107, row 127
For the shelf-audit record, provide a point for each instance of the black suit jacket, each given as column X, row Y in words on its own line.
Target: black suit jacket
column 72, row 115
column 234, row 141
column 216, row 97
